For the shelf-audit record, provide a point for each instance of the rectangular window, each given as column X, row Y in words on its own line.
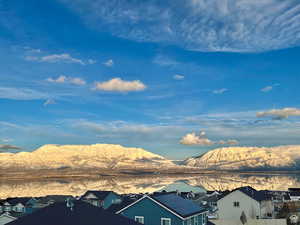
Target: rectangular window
column 236, row 204
column 196, row 220
column 189, row 221
column 204, row 218
column 165, row 221
column 139, row 219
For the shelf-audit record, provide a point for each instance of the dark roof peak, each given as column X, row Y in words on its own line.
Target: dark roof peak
column 81, row 214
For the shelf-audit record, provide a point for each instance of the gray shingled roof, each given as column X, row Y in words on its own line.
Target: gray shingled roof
column 101, row 195
column 252, row 193
column 177, row 204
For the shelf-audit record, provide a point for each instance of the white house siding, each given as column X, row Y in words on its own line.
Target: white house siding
column 227, row 211
column 267, row 207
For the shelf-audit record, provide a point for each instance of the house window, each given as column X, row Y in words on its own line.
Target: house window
column 196, row 220
column 204, row 219
column 236, row 204
column 165, row 221
column 189, row 221
column 139, row 219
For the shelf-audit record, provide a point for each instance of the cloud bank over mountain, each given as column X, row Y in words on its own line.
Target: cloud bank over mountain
column 201, row 139
column 227, row 25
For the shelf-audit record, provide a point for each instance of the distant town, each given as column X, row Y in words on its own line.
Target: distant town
column 244, row 205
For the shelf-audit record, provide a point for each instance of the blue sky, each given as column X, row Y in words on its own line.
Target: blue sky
column 176, row 78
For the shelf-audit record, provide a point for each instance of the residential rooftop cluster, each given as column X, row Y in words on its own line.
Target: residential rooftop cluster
column 239, row 206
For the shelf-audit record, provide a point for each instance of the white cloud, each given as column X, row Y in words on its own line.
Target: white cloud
column 279, row 113
column 49, row 102
column 119, row 85
column 60, row 79
column 64, row 79
column 215, row 25
column 202, row 140
column 178, row 77
column 219, row 91
column 109, row 63
column 194, row 139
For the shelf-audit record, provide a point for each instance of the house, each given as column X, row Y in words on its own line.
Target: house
column 51, row 199
column 255, row 204
column 72, row 213
column 102, row 199
column 21, row 205
column 17, row 205
column 118, row 206
column 165, row 209
column 5, row 206
column 294, row 196
column 6, row 218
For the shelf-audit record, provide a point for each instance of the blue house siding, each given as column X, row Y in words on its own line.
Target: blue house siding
column 110, row 199
column 151, row 212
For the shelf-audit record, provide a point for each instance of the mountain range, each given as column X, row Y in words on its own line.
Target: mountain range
column 105, row 156
column 119, row 158
column 249, row 159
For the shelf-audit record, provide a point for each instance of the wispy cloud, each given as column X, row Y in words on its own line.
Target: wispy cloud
column 267, row 89
column 219, row 91
column 49, row 102
column 65, row 79
column 201, row 139
column 119, row 85
column 228, row 25
column 178, row 77
column 59, row 58
column 21, row 93
column 5, row 140
column 163, row 60
column 32, row 50
column 109, row 63
column 280, row 113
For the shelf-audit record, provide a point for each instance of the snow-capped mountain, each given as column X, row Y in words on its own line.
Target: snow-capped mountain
column 106, row 156
column 249, row 158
